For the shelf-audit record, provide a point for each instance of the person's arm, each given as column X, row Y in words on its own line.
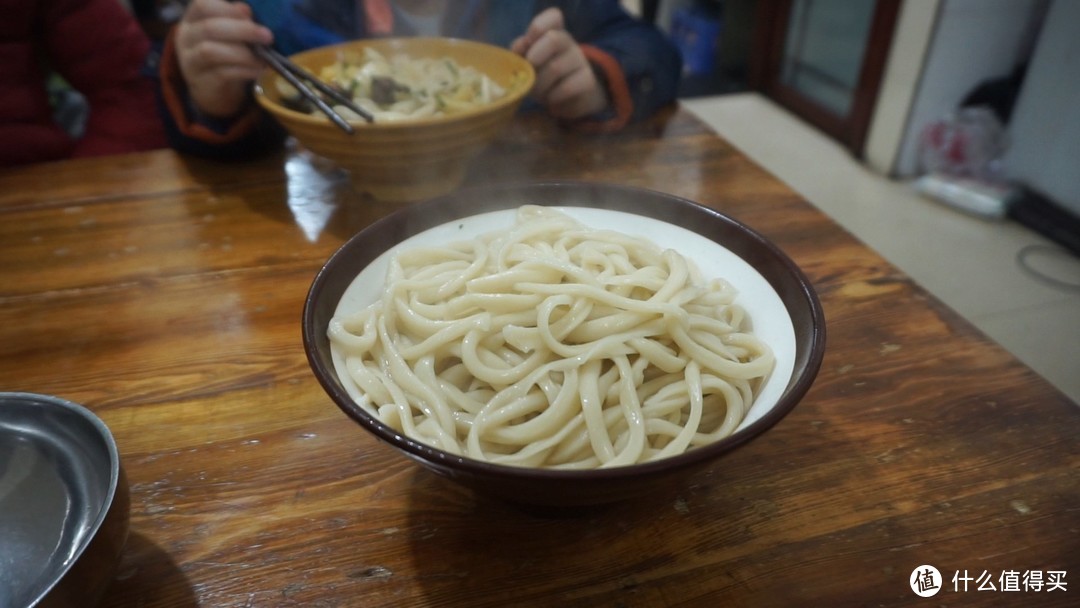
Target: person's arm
column 100, row 50
column 245, row 134
column 205, row 78
column 636, row 65
column 566, row 83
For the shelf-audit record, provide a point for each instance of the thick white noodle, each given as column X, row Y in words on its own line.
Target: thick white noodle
column 553, row 345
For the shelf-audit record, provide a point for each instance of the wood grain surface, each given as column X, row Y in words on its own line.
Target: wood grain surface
column 165, row 293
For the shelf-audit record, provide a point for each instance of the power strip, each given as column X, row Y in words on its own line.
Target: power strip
column 986, row 200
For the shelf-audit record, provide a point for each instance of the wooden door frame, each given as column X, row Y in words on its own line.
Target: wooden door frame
column 770, row 30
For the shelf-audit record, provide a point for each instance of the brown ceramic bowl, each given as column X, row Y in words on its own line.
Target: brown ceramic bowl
column 406, row 160
column 783, row 305
column 63, row 503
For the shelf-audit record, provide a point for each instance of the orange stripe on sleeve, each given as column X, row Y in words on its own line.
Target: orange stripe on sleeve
column 378, row 17
column 618, row 91
column 174, row 91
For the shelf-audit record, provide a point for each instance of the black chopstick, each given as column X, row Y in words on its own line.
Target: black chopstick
column 304, row 90
column 298, row 77
column 333, row 92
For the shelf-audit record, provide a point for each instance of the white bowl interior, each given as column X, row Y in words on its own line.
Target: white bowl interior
column 770, row 319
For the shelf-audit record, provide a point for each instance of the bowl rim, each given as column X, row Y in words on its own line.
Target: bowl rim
column 513, row 97
column 402, row 223
column 110, row 497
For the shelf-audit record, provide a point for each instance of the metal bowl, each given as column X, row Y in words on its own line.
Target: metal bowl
column 64, row 505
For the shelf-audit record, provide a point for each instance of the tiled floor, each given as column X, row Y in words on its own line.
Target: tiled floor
column 969, row 263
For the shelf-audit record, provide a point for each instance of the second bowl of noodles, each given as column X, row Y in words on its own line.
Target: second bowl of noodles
column 562, row 344
column 437, row 103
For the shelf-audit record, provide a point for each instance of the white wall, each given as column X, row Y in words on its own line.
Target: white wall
column 1045, row 127
column 973, row 40
column 910, row 46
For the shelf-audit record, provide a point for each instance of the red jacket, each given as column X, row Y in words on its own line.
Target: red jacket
column 99, row 48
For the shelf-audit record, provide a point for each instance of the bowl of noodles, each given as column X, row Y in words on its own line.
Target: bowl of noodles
column 562, row 344
column 436, row 103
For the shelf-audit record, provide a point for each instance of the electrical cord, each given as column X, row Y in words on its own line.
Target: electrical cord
column 1024, row 260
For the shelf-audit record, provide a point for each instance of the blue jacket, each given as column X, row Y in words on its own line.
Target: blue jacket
column 639, row 66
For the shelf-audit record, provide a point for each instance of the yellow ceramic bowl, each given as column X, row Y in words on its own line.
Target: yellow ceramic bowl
column 406, row 160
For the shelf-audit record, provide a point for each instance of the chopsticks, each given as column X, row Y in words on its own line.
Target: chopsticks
column 299, row 78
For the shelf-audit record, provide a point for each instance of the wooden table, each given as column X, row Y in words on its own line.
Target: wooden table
column 165, row 294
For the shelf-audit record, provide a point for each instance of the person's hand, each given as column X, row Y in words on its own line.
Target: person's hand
column 565, row 81
column 215, row 60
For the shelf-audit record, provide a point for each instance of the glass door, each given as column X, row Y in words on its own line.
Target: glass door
column 823, row 60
